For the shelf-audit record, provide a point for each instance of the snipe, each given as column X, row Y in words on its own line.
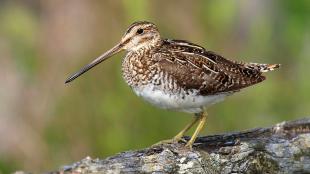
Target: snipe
column 178, row 75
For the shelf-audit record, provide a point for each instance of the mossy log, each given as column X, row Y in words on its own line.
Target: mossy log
column 282, row 148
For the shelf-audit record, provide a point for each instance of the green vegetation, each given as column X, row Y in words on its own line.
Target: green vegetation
column 45, row 123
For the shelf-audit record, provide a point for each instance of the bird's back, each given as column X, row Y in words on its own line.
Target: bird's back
column 193, row 67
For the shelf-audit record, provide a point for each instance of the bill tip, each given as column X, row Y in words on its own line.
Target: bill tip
column 68, row 80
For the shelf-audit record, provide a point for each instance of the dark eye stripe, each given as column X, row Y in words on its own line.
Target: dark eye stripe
column 129, row 29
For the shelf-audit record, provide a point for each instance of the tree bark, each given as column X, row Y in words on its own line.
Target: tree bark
column 282, row 148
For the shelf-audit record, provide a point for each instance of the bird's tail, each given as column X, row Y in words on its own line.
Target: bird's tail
column 262, row 67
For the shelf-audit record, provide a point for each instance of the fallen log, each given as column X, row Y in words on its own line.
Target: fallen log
column 282, row 148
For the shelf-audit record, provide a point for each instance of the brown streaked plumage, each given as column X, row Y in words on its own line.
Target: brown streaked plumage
column 178, row 75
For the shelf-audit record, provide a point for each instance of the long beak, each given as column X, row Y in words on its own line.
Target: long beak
column 95, row 62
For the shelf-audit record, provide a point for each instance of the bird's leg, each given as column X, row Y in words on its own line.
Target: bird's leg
column 202, row 122
column 179, row 136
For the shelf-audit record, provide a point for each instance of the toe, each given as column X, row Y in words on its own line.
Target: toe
column 189, row 145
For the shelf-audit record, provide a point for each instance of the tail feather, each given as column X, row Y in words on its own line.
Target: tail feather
column 262, row 67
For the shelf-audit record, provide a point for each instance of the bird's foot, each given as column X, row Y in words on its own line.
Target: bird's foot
column 170, row 141
column 189, row 145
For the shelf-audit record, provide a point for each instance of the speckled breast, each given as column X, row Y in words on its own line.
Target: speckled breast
column 137, row 69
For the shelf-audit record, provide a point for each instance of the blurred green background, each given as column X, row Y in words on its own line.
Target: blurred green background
column 45, row 124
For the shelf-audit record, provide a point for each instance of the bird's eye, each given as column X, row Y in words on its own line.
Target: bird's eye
column 140, row 31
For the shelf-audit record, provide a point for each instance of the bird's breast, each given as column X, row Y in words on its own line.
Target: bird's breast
column 137, row 68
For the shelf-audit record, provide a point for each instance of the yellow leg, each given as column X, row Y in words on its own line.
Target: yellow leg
column 187, row 127
column 202, row 122
column 179, row 136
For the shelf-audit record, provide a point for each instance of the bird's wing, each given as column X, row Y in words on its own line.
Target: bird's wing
column 195, row 68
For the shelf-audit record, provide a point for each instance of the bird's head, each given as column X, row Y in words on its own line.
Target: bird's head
column 141, row 34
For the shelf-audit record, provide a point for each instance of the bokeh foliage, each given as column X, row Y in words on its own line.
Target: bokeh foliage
column 45, row 124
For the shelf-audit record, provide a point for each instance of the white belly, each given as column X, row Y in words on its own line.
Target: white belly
column 191, row 103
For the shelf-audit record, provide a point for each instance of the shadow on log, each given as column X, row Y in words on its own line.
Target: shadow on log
column 283, row 148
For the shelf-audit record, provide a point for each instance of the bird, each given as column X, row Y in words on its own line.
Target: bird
column 178, row 75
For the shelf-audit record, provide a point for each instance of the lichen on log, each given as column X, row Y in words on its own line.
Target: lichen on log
column 282, row 148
